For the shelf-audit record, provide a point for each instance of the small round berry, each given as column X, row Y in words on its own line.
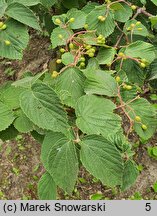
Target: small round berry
column 83, row 59
column 82, row 64
column 144, row 127
column 140, row 29
column 59, row 61
column 88, row 47
column 143, row 65
column 55, row 74
column 58, row 21
column 62, row 50
column 1, row 24
column 121, row 54
column 4, row 27
column 143, row 60
column 132, row 25
column 128, row 29
column 137, row 118
column 117, row 79
column 7, row 42
column 138, row 23
column 60, row 36
column 86, row 26
column 72, row 20
column 91, row 54
column 71, row 46
column 128, row 87
column 133, row 7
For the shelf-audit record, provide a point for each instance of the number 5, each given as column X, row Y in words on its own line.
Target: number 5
column 148, row 207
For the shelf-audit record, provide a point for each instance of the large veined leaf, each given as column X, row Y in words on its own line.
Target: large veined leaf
column 89, row 7
column 22, row 123
column 6, row 116
column 79, row 16
column 42, row 106
column 141, row 107
column 105, row 28
column 25, row 2
column 95, row 115
column 17, row 34
column 70, row 4
column 153, row 70
column 59, row 156
column 106, row 55
column 56, row 40
column 70, row 86
column 134, row 72
column 101, row 158
column 47, row 187
column 9, row 95
column 100, row 82
column 130, row 174
column 141, row 49
column 22, row 14
column 122, row 12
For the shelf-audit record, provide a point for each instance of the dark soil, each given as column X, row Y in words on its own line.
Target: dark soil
column 20, row 166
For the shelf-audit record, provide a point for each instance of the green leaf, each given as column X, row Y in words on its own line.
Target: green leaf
column 22, row 14
column 67, row 58
column 136, row 30
column 122, row 12
column 70, row 4
column 18, row 38
column 79, row 16
column 48, row 3
column 142, row 50
column 101, row 158
column 155, row 2
column 141, row 107
column 3, row 6
column 95, row 116
column 134, row 72
column 9, row 133
column 6, row 116
column 22, row 123
column 89, row 7
column 100, row 82
column 25, row 2
column 38, row 137
column 42, row 106
column 105, row 28
column 106, row 55
column 70, row 86
column 56, row 41
column 27, row 82
column 9, row 95
column 47, row 188
column 130, row 174
column 59, row 156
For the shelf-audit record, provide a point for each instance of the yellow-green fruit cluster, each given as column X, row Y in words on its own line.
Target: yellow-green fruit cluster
column 90, row 51
column 62, row 50
column 101, row 39
column 143, row 63
column 144, row 127
column 82, row 63
column 71, row 46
